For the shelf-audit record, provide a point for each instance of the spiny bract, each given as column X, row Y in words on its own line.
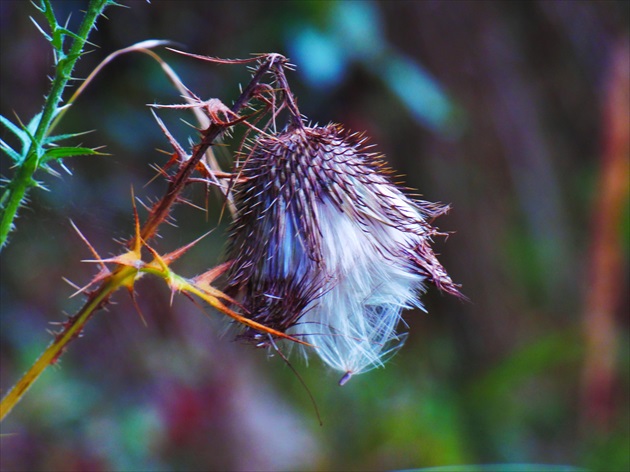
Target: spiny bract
column 327, row 248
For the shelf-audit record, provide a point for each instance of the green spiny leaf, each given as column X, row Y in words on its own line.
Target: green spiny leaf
column 33, row 124
column 67, row 32
column 50, row 170
column 61, row 137
column 114, row 3
column 61, row 152
column 41, row 8
column 22, row 136
column 63, row 166
column 41, row 30
column 15, row 156
column 38, row 184
column 31, row 145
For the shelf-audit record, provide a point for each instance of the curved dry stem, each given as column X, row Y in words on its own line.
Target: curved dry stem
column 145, row 48
column 142, row 46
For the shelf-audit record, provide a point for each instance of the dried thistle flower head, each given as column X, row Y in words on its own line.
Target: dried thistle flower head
column 327, row 248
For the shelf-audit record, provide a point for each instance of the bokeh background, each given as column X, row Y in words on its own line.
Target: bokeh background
column 515, row 113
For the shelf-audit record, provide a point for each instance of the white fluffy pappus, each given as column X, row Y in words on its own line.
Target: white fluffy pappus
column 326, row 248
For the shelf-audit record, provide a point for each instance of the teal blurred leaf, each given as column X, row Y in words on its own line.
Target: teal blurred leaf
column 326, row 61
column 359, row 28
column 418, row 91
column 354, row 33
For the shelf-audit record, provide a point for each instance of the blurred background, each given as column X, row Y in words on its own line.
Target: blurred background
column 515, row 113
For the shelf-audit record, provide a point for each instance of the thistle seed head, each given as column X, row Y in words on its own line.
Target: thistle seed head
column 327, row 248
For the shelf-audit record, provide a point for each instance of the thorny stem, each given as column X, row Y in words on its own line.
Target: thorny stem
column 161, row 209
column 121, row 275
column 14, row 194
column 71, row 330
